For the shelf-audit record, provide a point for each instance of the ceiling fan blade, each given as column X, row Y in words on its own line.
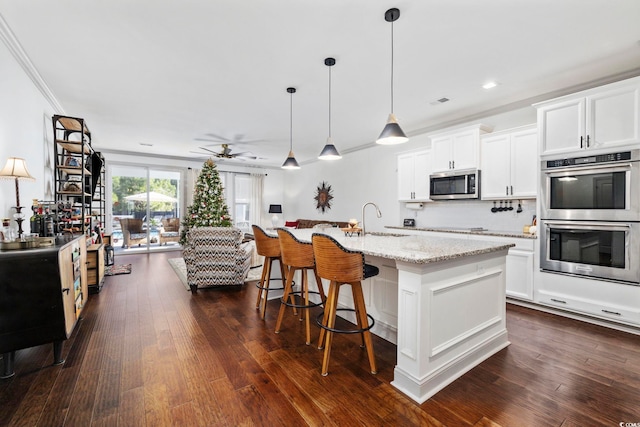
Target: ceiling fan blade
column 218, row 137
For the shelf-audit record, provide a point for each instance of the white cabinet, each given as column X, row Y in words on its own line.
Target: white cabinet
column 600, row 118
column 520, row 260
column 509, row 164
column 413, row 176
column 520, row 265
column 457, row 149
column 610, row 301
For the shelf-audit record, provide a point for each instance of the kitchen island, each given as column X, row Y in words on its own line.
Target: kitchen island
column 451, row 304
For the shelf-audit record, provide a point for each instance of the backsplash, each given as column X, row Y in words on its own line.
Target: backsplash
column 472, row 213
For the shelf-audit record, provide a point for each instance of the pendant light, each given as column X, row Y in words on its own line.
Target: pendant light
column 291, row 162
column 392, row 134
column 329, row 152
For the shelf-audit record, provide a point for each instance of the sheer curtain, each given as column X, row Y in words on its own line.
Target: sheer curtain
column 192, row 178
column 257, row 188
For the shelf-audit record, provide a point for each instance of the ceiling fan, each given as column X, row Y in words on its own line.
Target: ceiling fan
column 225, row 153
column 217, row 139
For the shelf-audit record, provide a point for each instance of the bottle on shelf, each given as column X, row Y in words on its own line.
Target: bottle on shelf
column 48, row 224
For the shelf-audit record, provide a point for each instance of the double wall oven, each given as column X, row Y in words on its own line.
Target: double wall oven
column 590, row 216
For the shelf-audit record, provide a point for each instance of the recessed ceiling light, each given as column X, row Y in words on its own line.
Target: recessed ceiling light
column 489, row 85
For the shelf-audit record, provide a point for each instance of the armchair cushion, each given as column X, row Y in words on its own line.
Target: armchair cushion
column 215, row 256
column 170, row 231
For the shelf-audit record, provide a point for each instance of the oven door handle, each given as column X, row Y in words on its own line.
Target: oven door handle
column 588, row 225
column 621, row 167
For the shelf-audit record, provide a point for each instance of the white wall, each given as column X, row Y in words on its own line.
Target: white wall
column 25, row 124
column 371, row 175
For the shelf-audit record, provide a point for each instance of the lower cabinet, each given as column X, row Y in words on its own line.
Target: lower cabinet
column 42, row 294
column 95, row 267
column 596, row 298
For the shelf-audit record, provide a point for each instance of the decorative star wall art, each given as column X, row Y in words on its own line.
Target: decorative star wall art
column 323, row 197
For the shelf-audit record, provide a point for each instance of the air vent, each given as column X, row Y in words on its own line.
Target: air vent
column 440, row 101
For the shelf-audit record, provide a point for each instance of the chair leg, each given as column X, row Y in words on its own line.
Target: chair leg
column 323, row 297
column 334, row 291
column 284, row 271
column 265, row 284
column 265, row 267
column 327, row 303
column 305, row 285
column 363, row 321
column 285, row 295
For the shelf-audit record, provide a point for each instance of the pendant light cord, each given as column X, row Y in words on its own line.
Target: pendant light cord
column 291, row 122
column 329, row 102
column 391, row 67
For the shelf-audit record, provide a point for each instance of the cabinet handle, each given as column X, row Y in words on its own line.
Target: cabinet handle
column 581, row 146
column 512, row 190
column 453, row 164
column 611, row 312
column 587, row 141
column 506, row 190
column 558, row 300
column 66, row 290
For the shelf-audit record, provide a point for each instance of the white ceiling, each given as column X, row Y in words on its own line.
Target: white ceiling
column 165, row 72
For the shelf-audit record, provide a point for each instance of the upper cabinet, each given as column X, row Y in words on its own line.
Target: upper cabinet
column 600, row 118
column 413, row 176
column 457, row 149
column 509, row 164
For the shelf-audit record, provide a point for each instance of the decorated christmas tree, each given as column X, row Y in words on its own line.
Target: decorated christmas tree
column 209, row 208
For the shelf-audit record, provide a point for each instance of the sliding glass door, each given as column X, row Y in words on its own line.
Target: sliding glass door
column 143, row 200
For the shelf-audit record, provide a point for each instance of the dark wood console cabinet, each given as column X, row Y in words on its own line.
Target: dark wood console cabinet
column 42, row 294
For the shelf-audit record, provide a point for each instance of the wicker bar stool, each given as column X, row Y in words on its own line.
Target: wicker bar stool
column 298, row 256
column 269, row 248
column 342, row 266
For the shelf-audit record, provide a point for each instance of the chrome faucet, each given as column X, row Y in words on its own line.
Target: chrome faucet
column 378, row 213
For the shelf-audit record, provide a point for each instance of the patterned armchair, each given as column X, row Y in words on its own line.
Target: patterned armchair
column 132, row 232
column 215, row 256
column 170, row 231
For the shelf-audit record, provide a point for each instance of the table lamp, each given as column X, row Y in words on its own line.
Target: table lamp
column 16, row 168
column 275, row 210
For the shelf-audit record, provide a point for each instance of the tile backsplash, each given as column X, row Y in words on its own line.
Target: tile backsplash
column 472, row 213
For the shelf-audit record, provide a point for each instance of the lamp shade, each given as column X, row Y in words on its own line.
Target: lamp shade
column 15, row 168
column 291, row 162
column 329, row 152
column 275, row 209
column 392, row 133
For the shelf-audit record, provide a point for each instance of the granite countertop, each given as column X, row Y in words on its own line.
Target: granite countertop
column 408, row 248
column 478, row 231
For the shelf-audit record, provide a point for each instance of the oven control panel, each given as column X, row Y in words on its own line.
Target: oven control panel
column 587, row 160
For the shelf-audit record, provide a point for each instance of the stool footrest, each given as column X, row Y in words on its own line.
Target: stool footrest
column 345, row 331
column 269, row 288
column 299, row 295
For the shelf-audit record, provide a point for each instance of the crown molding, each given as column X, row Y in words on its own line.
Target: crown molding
column 21, row 56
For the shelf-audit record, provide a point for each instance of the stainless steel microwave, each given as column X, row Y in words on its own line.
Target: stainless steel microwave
column 455, row 184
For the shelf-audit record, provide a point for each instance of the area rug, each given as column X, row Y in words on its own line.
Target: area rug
column 112, row 270
column 180, row 269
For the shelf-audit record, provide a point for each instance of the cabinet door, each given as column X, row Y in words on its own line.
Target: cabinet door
column 562, row 126
column 405, row 176
column 612, row 118
column 441, row 153
column 421, row 172
column 465, row 150
column 524, row 164
column 496, row 166
column 519, row 275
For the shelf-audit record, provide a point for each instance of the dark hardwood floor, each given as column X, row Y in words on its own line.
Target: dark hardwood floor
column 147, row 352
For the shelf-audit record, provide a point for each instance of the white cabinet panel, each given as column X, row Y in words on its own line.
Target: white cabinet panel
column 457, row 149
column 600, row 118
column 509, row 164
column 413, row 176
